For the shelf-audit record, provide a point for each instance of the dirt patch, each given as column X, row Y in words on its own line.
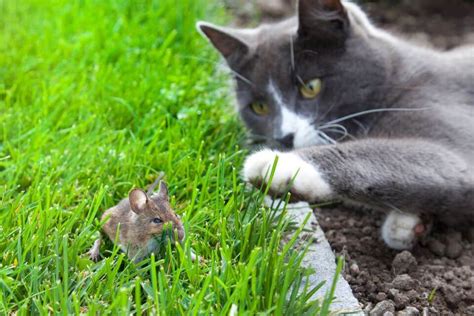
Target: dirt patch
column 436, row 23
column 437, row 279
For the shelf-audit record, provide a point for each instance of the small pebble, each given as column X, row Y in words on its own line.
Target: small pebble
column 354, row 269
column 401, row 301
column 448, row 276
column 392, row 293
column 426, row 311
column 412, row 295
column 453, row 248
column 470, row 310
column 370, row 287
column 454, row 236
column 404, row 262
column 451, row 294
column 368, row 308
column 380, row 296
column 436, row 247
column 433, row 311
column 465, row 259
column 439, row 262
column 403, row 282
column 409, row 311
column 367, row 230
column 382, row 307
column 362, row 277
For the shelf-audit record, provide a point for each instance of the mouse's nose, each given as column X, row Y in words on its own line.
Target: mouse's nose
column 180, row 232
column 286, row 141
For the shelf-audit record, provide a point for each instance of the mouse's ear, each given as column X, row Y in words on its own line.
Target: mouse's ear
column 138, row 200
column 163, row 193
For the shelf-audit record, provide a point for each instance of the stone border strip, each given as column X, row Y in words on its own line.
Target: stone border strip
column 322, row 260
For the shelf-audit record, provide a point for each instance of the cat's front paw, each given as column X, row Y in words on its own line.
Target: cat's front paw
column 292, row 173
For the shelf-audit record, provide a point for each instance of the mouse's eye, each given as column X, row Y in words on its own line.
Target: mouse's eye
column 157, row 220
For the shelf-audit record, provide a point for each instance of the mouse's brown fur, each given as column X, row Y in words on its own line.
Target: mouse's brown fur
column 138, row 220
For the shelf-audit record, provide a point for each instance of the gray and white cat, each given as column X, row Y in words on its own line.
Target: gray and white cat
column 369, row 118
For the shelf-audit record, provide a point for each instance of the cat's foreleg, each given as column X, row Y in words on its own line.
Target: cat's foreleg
column 411, row 176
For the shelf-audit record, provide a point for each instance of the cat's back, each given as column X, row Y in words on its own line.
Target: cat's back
column 462, row 55
column 441, row 85
column 459, row 67
column 441, row 77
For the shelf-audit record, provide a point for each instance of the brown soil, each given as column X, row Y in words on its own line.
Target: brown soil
column 436, row 23
column 436, row 276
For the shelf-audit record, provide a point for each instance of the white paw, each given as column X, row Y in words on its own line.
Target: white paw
column 291, row 169
column 401, row 230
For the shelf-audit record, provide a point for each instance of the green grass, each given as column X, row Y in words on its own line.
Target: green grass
column 97, row 97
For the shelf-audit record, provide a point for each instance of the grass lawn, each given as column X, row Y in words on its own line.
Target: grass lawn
column 97, row 97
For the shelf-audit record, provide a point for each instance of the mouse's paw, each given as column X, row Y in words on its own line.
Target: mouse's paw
column 292, row 172
column 94, row 252
column 401, row 231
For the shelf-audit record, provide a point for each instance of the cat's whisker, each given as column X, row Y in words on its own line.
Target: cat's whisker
column 292, row 54
column 364, row 128
column 361, row 113
column 338, row 132
column 336, row 127
column 300, row 80
column 224, row 67
column 327, row 112
column 247, row 81
column 326, row 138
column 339, row 129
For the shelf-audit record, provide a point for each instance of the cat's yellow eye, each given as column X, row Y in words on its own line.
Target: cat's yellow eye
column 311, row 89
column 260, row 108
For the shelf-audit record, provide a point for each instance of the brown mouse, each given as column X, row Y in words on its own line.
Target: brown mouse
column 140, row 221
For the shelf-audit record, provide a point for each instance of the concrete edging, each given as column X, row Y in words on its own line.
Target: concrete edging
column 320, row 257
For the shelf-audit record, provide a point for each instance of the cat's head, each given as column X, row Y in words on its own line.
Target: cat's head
column 295, row 76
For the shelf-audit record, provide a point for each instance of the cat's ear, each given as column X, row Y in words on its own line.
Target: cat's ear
column 324, row 20
column 230, row 43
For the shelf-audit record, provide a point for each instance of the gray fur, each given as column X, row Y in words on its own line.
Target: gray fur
column 419, row 160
